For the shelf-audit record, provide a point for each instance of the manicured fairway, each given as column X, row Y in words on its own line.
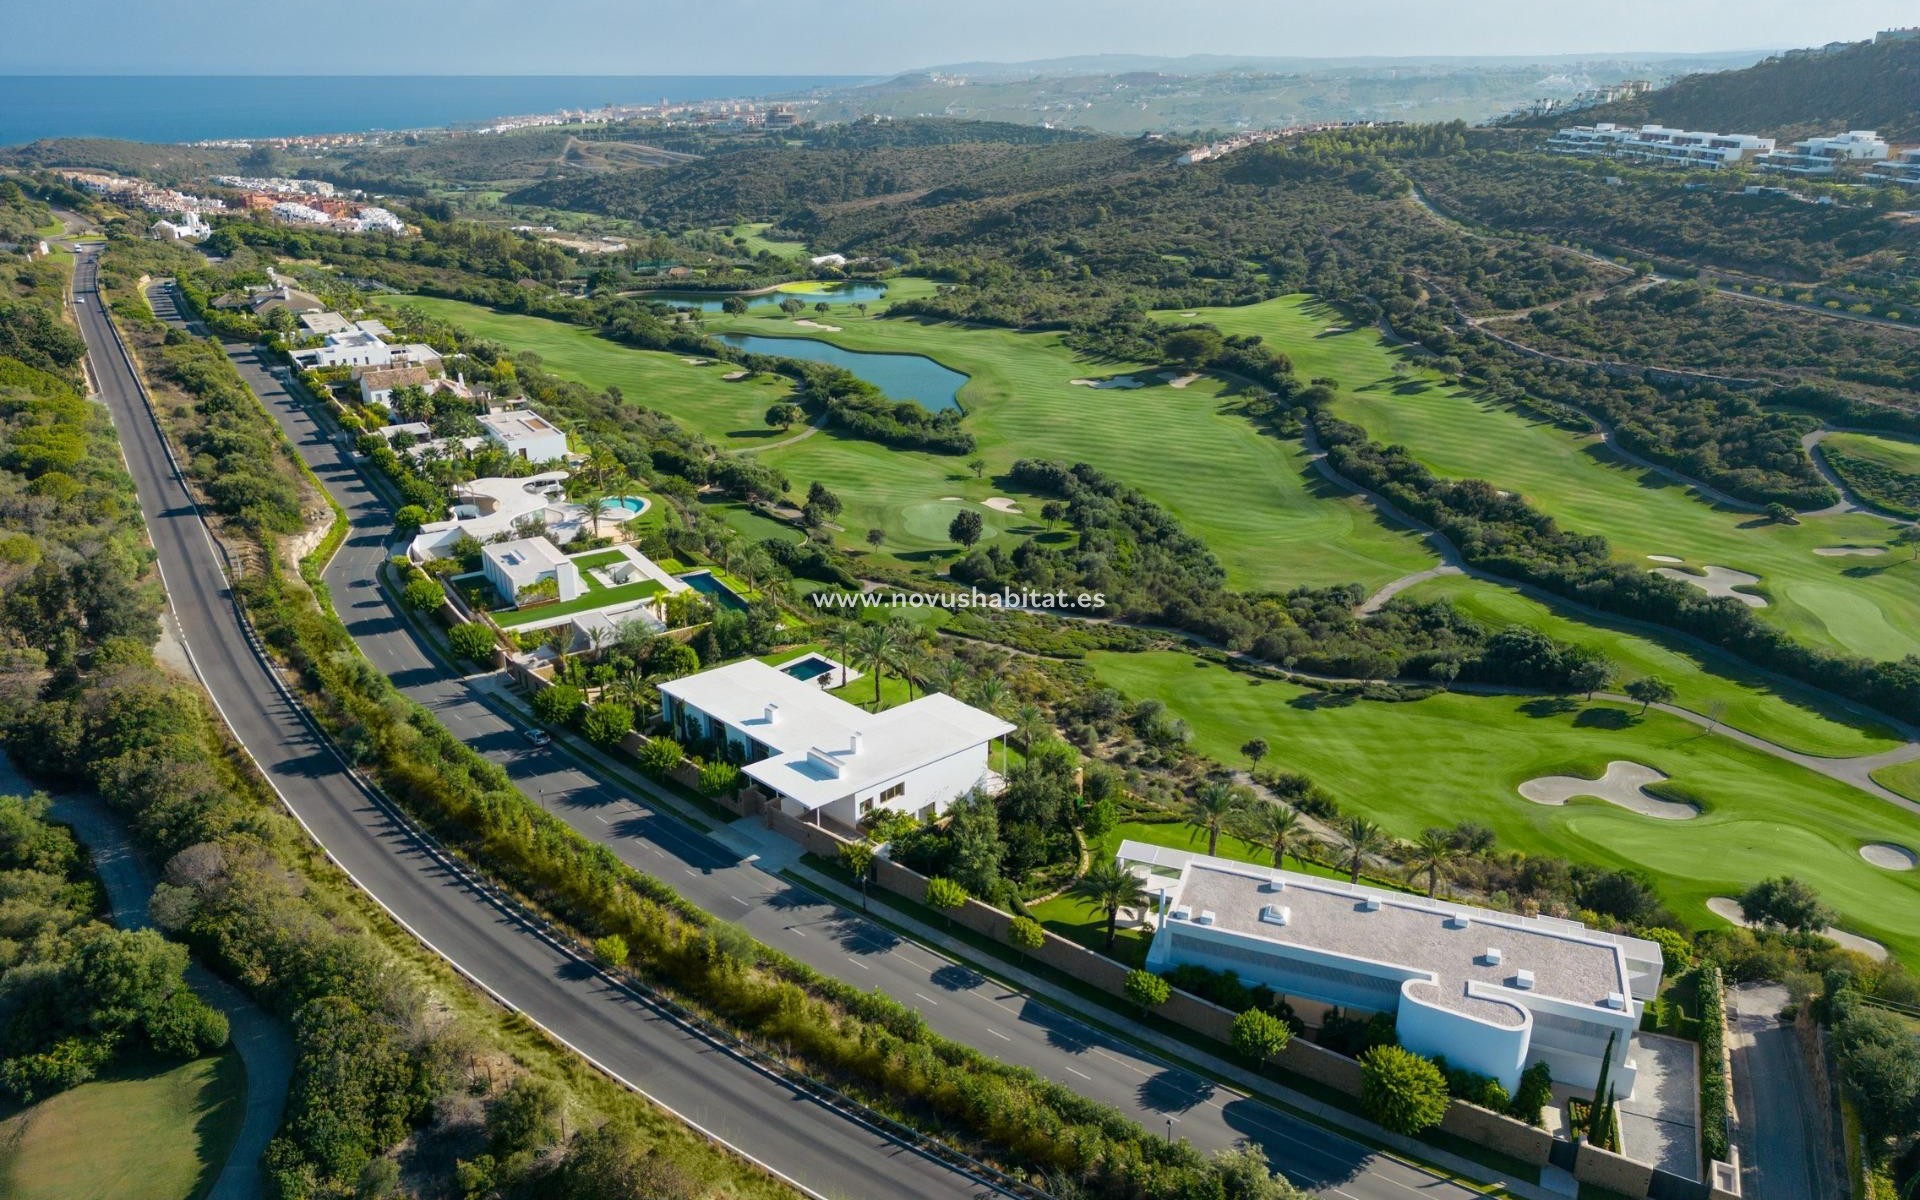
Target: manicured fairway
column 1865, row 606
column 731, row 414
column 147, row 1131
column 1454, row 757
column 753, row 234
column 1901, row 777
column 1895, row 453
column 1710, row 685
column 1251, row 497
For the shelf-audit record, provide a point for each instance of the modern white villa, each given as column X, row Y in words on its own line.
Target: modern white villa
column 821, row 757
column 1903, row 170
column 1822, row 155
column 1659, row 143
column 1494, row 992
column 361, row 348
column 525, row 434
column 513, row 567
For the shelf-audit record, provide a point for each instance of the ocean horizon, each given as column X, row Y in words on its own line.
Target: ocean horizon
column 191, row 108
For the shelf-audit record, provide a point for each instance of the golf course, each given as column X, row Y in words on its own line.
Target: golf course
column 1455, row 757
column 1858, row 604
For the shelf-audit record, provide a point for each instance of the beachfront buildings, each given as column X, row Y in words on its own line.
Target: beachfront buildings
column 1823, row 155
column 1660, row 144
column 820, row 757
column 1491, row 991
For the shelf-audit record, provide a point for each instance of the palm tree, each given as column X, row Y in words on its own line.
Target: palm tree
column 1280, row 828
column 1435, row 854
column 1030, row 723
column 878, row 641
column 1212, row 808
column 990, row 693
column 1112, row 887
column 1360, row 837
column 951, row 675
column 842, row 639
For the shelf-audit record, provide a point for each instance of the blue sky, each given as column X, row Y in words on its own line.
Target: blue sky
column 653, row 37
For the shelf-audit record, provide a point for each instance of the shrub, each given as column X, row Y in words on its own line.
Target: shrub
column 611, row 950
column 1534, row 1094
column 1713, row 1080
column 945, row 895
column 606, row 723
column 1676, row 952
column 472, row 640
column 719, row 779
column 557, row 705
column 661, row 755
column 411, row 517
column 423, row 593
column 1401, row 1090
column 185, row 1026
column 1259, row 1035
column 1026, row 933
column 1150, row 991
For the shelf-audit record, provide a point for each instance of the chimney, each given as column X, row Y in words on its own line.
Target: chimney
column 853, row 743
column 773, row 713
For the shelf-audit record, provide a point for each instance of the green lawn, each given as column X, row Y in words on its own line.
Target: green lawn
column 1901, row 777
column 144, row 1131
column 1455, row 757
column 1705, row 683
column 1889, row 450
column 1866, row 606
column 754, row 235
column 1251, row 497
column 596, row 596
column 730, row 414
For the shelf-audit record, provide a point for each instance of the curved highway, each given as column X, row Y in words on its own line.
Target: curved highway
column 762, row 1117
column 719, row 874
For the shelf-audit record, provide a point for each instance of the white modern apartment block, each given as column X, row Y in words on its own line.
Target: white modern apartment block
column 512, row 567
column 1821, row 155
column 1904, row 170
column 1658, row 143
column 1492, row 991
column 525, row 435
column 820, row 756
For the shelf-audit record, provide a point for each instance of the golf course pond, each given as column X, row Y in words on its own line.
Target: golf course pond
column 843, row 293
column 901, row 376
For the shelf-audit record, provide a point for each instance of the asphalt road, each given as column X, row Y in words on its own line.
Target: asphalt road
column 759, row 1115
column 1784, row 1149
column 956, row 1001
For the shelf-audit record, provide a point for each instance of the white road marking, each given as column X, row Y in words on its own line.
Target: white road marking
column 928, row 999
column 995, row 1032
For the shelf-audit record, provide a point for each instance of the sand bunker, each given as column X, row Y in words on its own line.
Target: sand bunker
column 1890, row 856
column 1719, row 581
column 1624, row 784
column 1191, row 314
column 1001, row 504
column 1665, row 558
column 1179, row 381
column 1119, row 381
column 1844, row 551
column 950, row 499
column 806, row 323
column 1728, row 909
column 694, row 362
column 731, row 376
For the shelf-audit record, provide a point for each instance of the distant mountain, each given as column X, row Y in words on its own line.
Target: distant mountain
column 1865, row 86
column 1651, row 62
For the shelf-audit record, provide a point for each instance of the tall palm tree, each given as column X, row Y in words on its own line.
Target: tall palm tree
column 1278, row 827
column 1360, row 837
column 1435, row 854
column 1030, row 723
column 1212, row 808
column 950, row 676
column 1112, row 887
column 990, row 693
column 878, row 641
column 842, row 638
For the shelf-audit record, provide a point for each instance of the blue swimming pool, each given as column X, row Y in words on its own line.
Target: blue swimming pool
column 809, row 667
column 634, row 504
column 704, row 583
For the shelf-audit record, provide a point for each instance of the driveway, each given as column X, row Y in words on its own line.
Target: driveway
column 1660, row 1122
column 1782, row 1132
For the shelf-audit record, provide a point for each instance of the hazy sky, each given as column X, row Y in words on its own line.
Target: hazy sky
column 859, row 37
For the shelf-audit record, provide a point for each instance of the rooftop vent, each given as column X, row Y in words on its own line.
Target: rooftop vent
column 853, row 743
column 773, row 713
column 1492, row 956
column 1276, row 914
column 1615, row 1000
column 1205, row 917
column 1460, row 920
column 1370, row 904
column 1523, row 979
column 1274, row 884
column 1182, row 913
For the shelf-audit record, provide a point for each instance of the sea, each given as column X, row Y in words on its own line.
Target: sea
column 191, row 108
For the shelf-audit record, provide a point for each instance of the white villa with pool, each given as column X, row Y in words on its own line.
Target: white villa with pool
column 1494, row 992
column 820, row 757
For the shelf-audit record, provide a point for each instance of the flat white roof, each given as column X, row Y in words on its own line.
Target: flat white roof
column 518, row 426
column 524, row 559
column 807, row 719
column 1570, row 962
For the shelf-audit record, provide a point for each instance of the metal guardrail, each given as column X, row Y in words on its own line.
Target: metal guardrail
column 557, row 936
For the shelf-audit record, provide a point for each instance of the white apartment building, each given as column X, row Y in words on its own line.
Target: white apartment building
column 1659, row 143
column 1491, row 991
column 1904, row 170
column 820, row 756
column 1821, row 155
column 525, row 434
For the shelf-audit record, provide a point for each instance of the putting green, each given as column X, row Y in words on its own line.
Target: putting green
column 1589, row 489
column 928, row 521
column 1456, row 758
